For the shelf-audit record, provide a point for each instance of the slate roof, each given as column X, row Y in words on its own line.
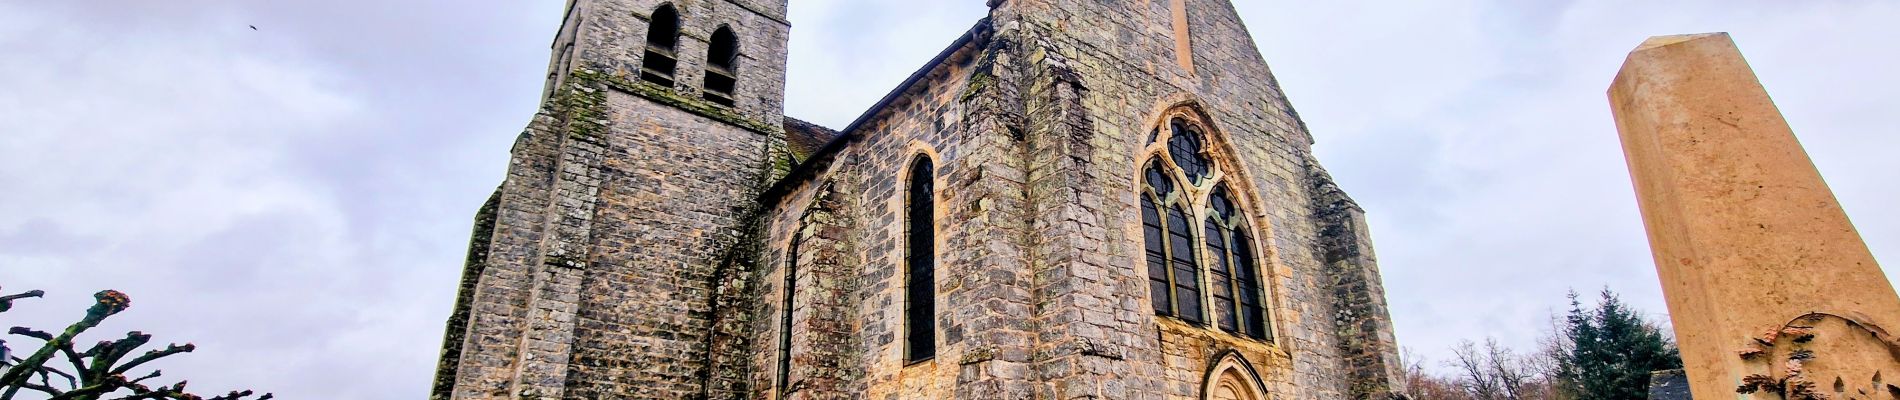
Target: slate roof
column 1669, row 385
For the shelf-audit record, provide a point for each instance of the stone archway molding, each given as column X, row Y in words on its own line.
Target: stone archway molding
column 1231, row 377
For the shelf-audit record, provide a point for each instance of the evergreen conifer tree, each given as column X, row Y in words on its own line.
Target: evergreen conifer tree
column 1612, row 351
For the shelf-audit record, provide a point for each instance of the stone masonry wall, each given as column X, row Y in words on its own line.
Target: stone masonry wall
column 668, row 206
column 631, row 257
column 473, row 268
column 1365, row 327
column 930, row 122
column 1122, row 56
column 1032, row 209
column 981, row 323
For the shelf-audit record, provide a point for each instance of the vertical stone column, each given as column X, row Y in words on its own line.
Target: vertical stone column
column 1772, row 292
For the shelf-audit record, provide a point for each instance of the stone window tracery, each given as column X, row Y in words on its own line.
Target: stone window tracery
column 1180, row 176
column 1233, row 378
column 1185, row 147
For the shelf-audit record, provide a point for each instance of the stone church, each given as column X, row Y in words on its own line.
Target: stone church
column 1076, row 199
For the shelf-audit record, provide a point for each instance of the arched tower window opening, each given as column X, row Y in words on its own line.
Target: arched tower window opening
column 920, row 278
column 663, row 35
column 1232, row 270
column 722, row 75
column 1174, row 278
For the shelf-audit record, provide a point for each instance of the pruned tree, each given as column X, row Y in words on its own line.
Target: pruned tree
column 98, row 372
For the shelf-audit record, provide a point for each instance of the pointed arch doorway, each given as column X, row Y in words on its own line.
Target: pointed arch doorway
column 1233, row 378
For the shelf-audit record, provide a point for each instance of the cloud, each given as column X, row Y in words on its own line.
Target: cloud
column 1478, row 136
column 296, row 198
column 847, row 54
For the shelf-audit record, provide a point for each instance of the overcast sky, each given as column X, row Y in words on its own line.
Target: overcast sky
column 297, row 198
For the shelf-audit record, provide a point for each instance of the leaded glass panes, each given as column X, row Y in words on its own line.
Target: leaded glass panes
column 1232, row 297
column 1157, row 256
column 1237, row 303
column 1252, row 309
column 1218, row 272
column 1187, row 272
column 1185, row 146
column 1174, row 280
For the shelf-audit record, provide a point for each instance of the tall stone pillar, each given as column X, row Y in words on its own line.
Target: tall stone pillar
column 1771, row 290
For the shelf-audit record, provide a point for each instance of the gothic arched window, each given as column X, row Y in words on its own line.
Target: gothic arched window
column 1183, row 185
column 722, row 66
column 1232, row 269
column 1174, row 276
column 663, row 36
column 920, row 276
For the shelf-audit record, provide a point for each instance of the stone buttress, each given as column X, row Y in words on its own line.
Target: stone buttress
column 610, row 264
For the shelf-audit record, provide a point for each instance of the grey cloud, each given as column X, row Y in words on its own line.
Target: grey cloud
column 1479, row 139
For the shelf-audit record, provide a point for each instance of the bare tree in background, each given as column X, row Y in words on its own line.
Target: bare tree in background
column 98, row 372
column 1423, row 385
column 1601, row 353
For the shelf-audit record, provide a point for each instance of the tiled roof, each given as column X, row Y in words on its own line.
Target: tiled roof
column 805, row 138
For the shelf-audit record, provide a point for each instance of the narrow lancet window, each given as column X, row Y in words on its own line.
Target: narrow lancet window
column 1237, row 300
column 663, row 35
column 722, row 67
column 783, row 379
column 1174, row 279
column 920, row 303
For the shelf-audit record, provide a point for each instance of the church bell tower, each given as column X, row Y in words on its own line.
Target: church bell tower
column 602, row 266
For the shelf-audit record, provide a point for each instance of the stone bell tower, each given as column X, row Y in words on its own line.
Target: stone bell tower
column 600, row 267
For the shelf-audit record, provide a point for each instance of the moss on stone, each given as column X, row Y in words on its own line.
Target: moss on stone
column 591, row 78
column 583, row 107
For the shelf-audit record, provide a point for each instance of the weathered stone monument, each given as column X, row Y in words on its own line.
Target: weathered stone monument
column 1771, row 290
